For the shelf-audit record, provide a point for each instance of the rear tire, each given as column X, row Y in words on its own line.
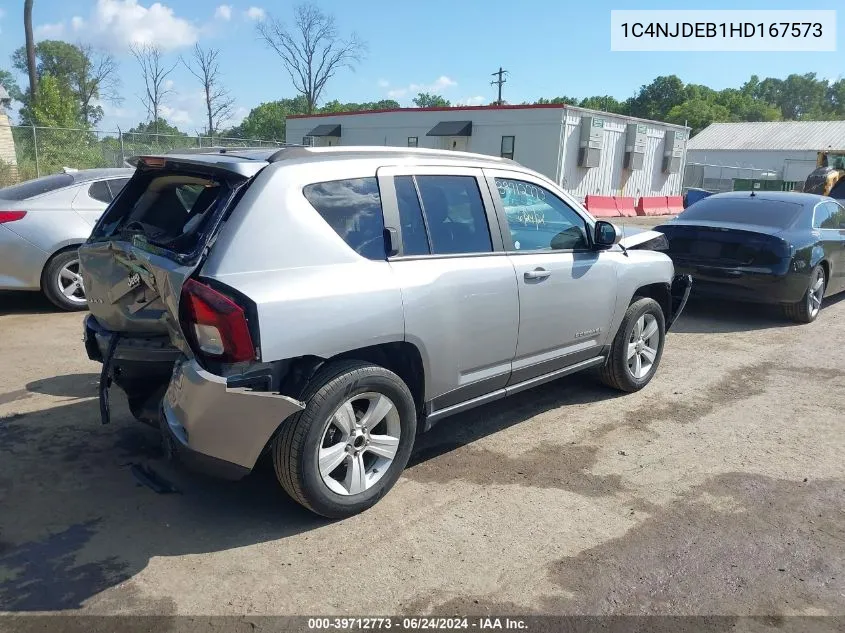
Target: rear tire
column 806, row 310
column 637, row 347
column 61, row 282
column 324, row 456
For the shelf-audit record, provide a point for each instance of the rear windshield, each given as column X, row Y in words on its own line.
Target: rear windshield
column 32, row 188
column 772, row 213
column 167, row 209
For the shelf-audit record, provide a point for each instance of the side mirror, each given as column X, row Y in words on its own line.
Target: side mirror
column 605, row 235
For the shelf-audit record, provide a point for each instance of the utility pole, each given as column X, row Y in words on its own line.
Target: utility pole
column 501, row 74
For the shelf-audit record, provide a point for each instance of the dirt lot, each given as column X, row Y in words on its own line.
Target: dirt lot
column 719, row 489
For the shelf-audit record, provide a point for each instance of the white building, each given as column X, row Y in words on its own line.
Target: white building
column 584, row 151
column 776, row 150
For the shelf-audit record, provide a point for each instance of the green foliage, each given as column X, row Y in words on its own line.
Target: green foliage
column 7, row 80
column 427, row 100
column 561, row 100
column 337, row 106
column 160, row 127
column 53, row 108
column 605, row 102
column 267, row 121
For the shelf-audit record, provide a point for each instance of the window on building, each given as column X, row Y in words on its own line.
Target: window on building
column 353, row 209
column 100, row 191
column 413, row 141
column 414, row 234
column 507, row 146
column 538, row 220
column 309, row 141
column 454, row 214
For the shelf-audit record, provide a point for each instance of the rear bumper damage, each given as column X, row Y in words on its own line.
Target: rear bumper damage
column 219, row 428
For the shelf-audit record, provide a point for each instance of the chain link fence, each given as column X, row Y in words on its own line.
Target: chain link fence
column 39, row 151
column 719, row 178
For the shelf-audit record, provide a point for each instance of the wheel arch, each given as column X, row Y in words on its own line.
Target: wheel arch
column 661, row 292
column 62, row 247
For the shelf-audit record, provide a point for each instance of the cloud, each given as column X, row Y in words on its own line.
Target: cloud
column 438, row 85
column 471, row 101
column 223, row 12
column 383, row 83
column 2, row 15
column 175, row 115
column 50, row 31
column 117, row 24
column 255, row 13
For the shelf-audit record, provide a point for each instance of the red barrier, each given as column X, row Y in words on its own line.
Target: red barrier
column 625, row 206
column 601, row 206
column 675, row 204
column 652, row 205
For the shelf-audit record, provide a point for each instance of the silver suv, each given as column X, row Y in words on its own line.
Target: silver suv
column 325, row 305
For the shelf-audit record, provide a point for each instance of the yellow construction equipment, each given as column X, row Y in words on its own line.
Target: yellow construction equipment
column 828, row 178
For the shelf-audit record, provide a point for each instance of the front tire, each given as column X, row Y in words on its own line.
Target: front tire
column 61, row 282
column 806, row 310
column 350, row 444
column 637, row 347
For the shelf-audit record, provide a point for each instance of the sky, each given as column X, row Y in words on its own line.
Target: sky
column 450, row 47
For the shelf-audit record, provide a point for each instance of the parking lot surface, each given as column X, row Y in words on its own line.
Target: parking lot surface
column 719, row 489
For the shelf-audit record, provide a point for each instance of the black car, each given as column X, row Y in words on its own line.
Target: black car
column 769, row 247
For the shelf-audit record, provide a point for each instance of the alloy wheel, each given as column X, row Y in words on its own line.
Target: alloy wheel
column 642, row 346
column 816, row 293
column 69, row 282
column 359, row 443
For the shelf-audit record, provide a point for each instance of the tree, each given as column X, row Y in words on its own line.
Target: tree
column 655, row 100
column 89, row 74
column 560, row 100
column 161, row 127
column 52, row 108
column 154, row 73
column 218, row 101
column 267, row 121
column 697, row 114
column 7, row 80
column 30, row 49
column 428, row 100
column 313, row 51
column 337, row 106
column 835, row 96
column 605, row 103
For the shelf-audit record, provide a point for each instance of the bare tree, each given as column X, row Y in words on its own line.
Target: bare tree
column 312, row 52
column 154, row 72
column 30, row 50
column 218, row 101
column 96, row 79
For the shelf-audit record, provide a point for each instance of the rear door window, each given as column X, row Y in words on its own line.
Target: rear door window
column 352, row 207
column 829, row 215
column 100, row 191
column 454, row 212
column 414, row 234
column 116, row 184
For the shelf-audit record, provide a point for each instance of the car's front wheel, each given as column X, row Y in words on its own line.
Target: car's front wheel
column 637, row 348
column 61, row 281
column 347, row 448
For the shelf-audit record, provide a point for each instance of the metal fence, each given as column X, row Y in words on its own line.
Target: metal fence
column 46, row 150
column 720, row 178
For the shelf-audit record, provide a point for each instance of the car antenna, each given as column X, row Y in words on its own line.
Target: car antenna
column 624, row 250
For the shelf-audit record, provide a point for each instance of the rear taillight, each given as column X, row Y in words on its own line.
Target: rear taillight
column 11, row 216
column 217, row 324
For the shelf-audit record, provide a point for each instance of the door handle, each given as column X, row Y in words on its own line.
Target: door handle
column 537, row 273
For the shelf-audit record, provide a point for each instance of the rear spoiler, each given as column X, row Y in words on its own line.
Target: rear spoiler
column 246, row 167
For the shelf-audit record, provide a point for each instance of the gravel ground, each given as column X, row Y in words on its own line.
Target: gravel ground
column 719, row 489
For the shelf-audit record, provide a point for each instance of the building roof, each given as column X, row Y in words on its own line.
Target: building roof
column 771, row 135
column 486, row 108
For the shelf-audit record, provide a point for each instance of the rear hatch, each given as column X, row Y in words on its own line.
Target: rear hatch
column 155, row 235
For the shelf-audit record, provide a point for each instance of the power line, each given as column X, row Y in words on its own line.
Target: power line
column 501, row 74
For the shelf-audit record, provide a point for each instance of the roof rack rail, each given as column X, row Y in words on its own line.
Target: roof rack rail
column 227, row 149
column 298, row 151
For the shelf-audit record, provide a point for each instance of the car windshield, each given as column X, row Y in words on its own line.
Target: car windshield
column 761, row 212
column 32, row 188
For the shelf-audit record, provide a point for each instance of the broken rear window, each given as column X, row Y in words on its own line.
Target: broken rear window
column 171, row 210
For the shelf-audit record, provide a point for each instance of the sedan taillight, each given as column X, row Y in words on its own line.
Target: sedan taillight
column 216, row 324
column 11, row 216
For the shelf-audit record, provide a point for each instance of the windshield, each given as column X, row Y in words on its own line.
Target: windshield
column 37, row 187
column 761, row 212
